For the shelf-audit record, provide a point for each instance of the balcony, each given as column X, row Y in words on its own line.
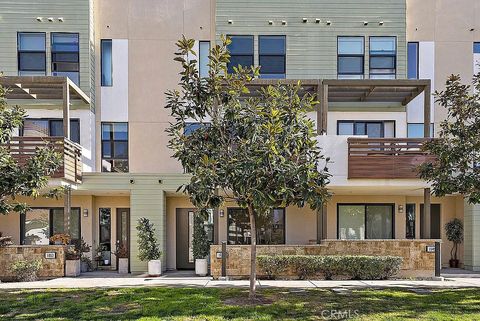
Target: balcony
column 70, row 170
column 385, row 157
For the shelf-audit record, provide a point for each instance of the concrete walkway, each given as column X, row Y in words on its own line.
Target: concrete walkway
column 114, row 280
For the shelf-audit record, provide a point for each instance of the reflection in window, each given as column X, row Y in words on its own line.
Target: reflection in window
column 372, row 129
column 31, row 54
column 36, row 227
column 65, row 56
column 241, row 52
column 270, row 228
column 272, row 56
column 412, row 60
column 58, row 223
column 105, row 218
column 410, row 221
column 114, row 147
column 107, row 63
column 383, row 57
column 415, row 130
column 350, row 60
column 351, row 222
column 203, row 60
column 365, row 221
column 50, row 127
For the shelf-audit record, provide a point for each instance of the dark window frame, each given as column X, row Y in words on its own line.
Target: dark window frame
column 21, row 129
column 19, row 52
column 417, row 71
column 284, row 55
column 365, row 218
column 382, row 56
column 102, row 84
column 64, row 52
column 242, row 55
column 408, row 235
column 112, row 141
column 110, row 234
column 350, row 55
column 343, row 121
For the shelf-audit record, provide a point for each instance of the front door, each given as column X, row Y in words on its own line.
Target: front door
column 123, row 230
column 434, row 221
column 184, row 229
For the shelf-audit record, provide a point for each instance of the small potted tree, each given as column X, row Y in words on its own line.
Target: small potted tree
column 454, row 231
column 85, row 261
column 121, row 252
column 148, row 248
column 200, row 244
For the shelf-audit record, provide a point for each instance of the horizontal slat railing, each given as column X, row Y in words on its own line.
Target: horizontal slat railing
column 23, row 148
column 385, row 157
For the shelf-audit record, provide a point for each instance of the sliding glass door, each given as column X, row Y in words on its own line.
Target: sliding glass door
column 365, row 221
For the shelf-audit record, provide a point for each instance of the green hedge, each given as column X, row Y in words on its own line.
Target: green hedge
column 359, row 267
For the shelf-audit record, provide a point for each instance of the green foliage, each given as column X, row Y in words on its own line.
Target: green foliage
column 457, row 151
column 454, row 232
column 148, row 248
column 357, row 267
column 200, row 243
column 26, row 270
column 16, row 180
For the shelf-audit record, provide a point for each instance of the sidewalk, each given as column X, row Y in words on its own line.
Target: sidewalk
column 108, row 279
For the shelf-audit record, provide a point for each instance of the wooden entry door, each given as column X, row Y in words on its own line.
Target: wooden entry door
column 123, row 230
column 184, row 236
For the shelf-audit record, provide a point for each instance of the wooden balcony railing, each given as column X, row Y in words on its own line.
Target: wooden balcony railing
column 22, row 148
column 385, row 157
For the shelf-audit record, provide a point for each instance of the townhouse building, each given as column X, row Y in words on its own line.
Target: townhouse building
column 92, row 76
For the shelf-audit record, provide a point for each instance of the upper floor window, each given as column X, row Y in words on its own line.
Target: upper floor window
column 114, row 147
column 50, row 127
column 383, row 57
column 372, row 129
column 476, row 47
column 65, row 56
column 416, row 130
column 31, row 54
column 272, row 56
column 107, row 64
column 350, row 57
column 241, row 52
column 412, row 57
column 203, row 60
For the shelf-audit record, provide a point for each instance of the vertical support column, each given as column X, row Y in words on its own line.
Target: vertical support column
column 324, row 108
column 321, row 224
column 319, row 108
column 426, row 213
column 224, row 259
column 427, row 110
column 67, row 208
column 215, row 224
column 66, row 109
column 438, row 259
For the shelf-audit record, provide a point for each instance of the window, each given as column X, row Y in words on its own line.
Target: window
column 31, row 54
column 191, row 127
column 383, row 57
column 372, row 129
column 412, row 56
column 270, row 230
column 365, row 221
column 415, row 130
column 203, row 60
column 105, row 224
column 107, row 64
column 50, row 127
column 241, row 52
column 476, row 47
column 65, row 56
column 410, row 221
column 114, row 147
column 350, row 57
column 38, row 224
column 272, row 56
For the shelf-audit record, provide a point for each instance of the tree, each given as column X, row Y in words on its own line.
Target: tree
column 259, row 152
column 455, row 168
column 454, row 231
column 200, row 243
column 22, row 180
column 148, row 248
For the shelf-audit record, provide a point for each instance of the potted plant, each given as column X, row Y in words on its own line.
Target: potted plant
column 72, row 262
column 200, row 244
column 85, row 261
column 148, row 248
column 121, row 252
column 454, row 231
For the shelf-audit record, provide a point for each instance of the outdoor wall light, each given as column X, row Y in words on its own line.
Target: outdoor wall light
column 60, row 19
column 221, row 212
column 132, row 181
column 270, row 22
column 365, row 23
column 400, row 208
column 305, row 20
column 39, row 19
column 381, row 23
column 284, row 22
column 317, row 20
column 230, row 22
column 50, row 19
column 85, row 212
column 329, row 23
column 160, row 181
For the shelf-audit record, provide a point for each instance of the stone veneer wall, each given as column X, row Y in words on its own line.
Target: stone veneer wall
column 416, row 261
column 50, row 267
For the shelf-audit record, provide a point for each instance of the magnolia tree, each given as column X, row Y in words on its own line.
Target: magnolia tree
column 258, row 151
column 456, row 168
column 30, row 179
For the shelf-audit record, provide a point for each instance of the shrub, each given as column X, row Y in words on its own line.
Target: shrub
column 200, row 243
column 148, row 248
column 26, row 271
column 358, row 267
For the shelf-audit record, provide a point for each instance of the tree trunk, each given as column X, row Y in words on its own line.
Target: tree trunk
column 253, row 252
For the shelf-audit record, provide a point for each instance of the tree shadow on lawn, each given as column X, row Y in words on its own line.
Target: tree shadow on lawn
column 226, row 304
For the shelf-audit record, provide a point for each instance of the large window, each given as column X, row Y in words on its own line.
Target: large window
column 114, row 147
column 203, row 60
column 365, row 221
column 270, row 229
column 272, row 56
column 383, row 57
column 350, row 57
column 412, row 56
column 372, row 129
column 31, row 54
column 241, row 52
column 50, row 127
column 416, row 130
column 107, row 63
column 65, row 56
column 38, row 224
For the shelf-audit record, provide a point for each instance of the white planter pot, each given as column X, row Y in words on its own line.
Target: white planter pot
column 72, row 268
column 155, row 268
column 201, row 267
column 123, row 265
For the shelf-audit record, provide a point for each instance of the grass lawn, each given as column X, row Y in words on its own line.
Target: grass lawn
column 159, row 303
